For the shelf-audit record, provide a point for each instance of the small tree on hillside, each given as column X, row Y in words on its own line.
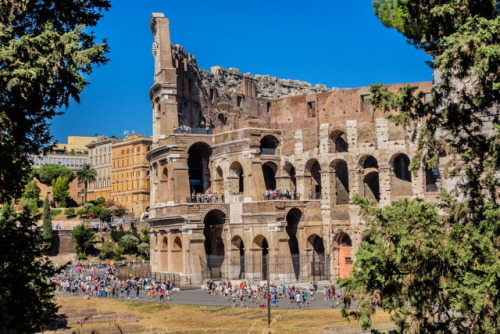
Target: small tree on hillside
column 85, row 175
column 32, row 191
column 83, row 237
column 60, row 190
column 47, row 223
column 48, row 173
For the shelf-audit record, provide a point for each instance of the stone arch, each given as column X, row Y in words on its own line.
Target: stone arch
column 431, row 179
column 260, row 249
column 164, row 252
column 269, row 144
column 222, row 118
column 290, row 177
column 164, row 243
column 219, row 181
column 237, row 178
column 400, row 176
column 213, row 222
column 338, row 141
column 370, row 177
column 293, row 218
column 371, row 186
column 269, row 170
column 177, row 255
column 340, row 181
column 162, row 190
column 313, row 178
column 317, row 260
column 238, row 257
column 344, row 256
column 198, row 164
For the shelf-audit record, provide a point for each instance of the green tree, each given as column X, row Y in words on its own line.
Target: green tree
column 129, row 243
column 26, row 295
column 60, row 190
column 46, row 54
column 86, row 174
column 440, row 274
column 48, row 173
column 31, row 190
column 84, row 238
column 47, row 223
column 105, row 215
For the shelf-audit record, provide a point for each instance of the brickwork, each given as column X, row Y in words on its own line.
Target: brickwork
column 251, row 134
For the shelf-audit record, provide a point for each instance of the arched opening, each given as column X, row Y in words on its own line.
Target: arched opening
column 214, row 244
column 345, row 256
column 163, row 261
column 292, row 180
column 219, row 181
column 371, row 186
column 163, row 185
column 340, row 182
column 237, row 178
column 268, row 145
column 164, row 244
column 239, row 257
column 369, row 162
column 261, row 242
column 293, row 219
column 401, row 177
column 339, row 141
column 199, row 172
column 177, row 258
column 269, row 171
column 314, row 172
column 318, row 263
column 222, row 118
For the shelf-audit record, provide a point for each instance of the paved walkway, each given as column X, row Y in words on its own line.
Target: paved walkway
column 200, row 297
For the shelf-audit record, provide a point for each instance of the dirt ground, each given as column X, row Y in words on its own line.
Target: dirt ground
column 159, row 318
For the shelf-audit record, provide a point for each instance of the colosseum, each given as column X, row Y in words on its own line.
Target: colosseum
column 253, row 175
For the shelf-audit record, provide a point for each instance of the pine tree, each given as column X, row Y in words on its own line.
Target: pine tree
column 440, row 274
column 26, row 294
column 47, row 223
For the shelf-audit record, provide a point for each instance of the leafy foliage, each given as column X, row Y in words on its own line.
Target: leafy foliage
column 441, row 274
column 129, row 243
column 48, row 173
column 26, row 295
column 32, row 191
column 70, row 212
column 45, row 55
column 60, row 190
column 84, row 238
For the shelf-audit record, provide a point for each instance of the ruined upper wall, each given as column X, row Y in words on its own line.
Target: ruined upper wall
column 263, row 86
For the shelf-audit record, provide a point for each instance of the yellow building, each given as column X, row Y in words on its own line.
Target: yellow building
column 75, row 144
column 130, row 173
column 100, row 160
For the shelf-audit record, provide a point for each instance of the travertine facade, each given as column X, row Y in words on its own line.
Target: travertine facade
column 249, row 134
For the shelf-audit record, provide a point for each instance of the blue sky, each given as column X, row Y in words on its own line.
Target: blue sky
column 331, row 42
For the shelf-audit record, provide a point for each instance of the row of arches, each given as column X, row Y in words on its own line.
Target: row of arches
column 285, row 177
column 287, row 259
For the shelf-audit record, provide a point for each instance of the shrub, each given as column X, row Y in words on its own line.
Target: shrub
column 82, row 256
column 82, row 212
column 55, row 212
column 69, row 212
column 95, row 209
column 117, row 235
column 129, row 243
column 100, row 200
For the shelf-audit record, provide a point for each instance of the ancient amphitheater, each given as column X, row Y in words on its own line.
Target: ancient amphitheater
column 231, row 137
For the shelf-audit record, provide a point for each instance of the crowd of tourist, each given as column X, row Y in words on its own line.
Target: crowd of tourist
column 244, row 293
column 280, row 194
column 206, row 198
column 103, row 281
column 182, row 129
